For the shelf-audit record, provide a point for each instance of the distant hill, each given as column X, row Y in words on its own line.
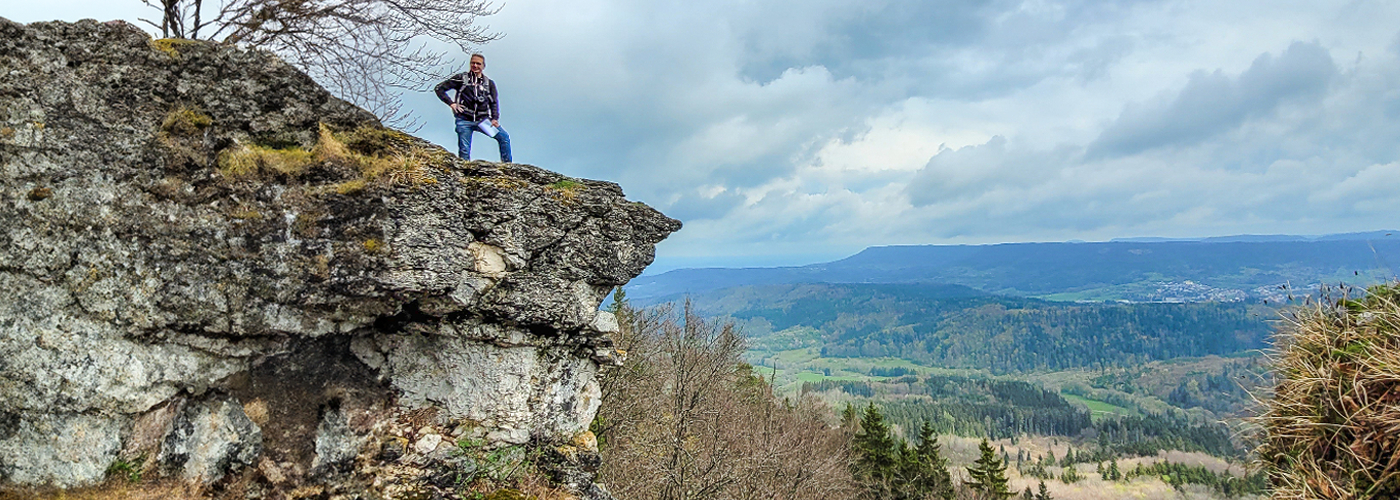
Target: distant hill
column 1235, row 268
column 958, row 327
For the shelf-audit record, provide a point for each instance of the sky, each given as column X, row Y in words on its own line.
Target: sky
column 786, row 132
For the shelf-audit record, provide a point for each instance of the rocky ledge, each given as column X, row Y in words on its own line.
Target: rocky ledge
column 213, row 270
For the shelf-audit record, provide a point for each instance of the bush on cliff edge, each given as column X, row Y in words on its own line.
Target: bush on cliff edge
column 1332, row 427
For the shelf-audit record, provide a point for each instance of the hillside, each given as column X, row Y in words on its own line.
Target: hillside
column 958, row 327
column 1214, row 269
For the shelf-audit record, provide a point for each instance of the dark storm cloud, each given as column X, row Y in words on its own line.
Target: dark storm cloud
column 1212, row 103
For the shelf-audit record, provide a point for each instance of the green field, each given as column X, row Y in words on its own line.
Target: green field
column 1099, row 409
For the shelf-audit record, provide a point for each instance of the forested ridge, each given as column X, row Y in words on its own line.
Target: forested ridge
column 1003, row 408
column 1111, row 270
column 685, row 413
column 956, row 327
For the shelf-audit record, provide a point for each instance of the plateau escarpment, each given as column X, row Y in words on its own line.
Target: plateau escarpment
column 212, row 268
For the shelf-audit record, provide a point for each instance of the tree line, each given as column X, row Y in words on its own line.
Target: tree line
column 684, row 418
column 1006, row 338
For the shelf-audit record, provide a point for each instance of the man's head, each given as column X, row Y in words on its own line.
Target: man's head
column 478, row 63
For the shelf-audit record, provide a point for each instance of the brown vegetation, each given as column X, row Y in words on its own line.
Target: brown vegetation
column 685, row 418
column 1332, row 427
column 368, row 154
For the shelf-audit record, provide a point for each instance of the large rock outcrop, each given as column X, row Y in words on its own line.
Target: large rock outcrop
column 209, row 264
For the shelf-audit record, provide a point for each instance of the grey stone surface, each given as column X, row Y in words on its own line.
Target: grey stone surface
column 58, row 449
column 135, row 272
column 336, row 443
column 209, row 439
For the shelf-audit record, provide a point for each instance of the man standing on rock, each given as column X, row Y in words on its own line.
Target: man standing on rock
column 475, row 107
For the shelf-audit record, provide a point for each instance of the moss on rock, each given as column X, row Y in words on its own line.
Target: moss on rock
column 171, row 46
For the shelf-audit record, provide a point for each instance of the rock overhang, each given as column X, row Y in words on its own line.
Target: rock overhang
column 181, row 217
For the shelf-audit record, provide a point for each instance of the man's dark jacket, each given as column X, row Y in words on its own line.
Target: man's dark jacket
column 479, row 105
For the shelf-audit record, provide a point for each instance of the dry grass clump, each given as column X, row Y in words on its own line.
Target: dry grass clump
column 115, row 488
column 378, row 156
column 409, row 167
column 254, row 161
column 185, row 121
column 389, row 155
column 565, row 190
column 182, row 134
column 1332, row 427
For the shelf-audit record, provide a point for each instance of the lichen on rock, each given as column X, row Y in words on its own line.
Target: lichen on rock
column 173, row 292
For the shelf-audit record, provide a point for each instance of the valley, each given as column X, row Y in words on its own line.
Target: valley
column 1116, row 370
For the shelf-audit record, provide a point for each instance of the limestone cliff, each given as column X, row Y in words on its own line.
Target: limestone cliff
column 210, row 264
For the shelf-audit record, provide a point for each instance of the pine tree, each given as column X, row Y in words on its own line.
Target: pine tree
column 988, row 474
column 877, row 453
column 1103, row 473
column 934, row 478
column 1044, row 493
column 1027, row 495
column 850, row 418
column 1070, row 475
column 1113, row 472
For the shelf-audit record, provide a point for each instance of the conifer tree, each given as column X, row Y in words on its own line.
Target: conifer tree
column 934, row 478
column 1070, row 475
column 988, row 474
column 1044, row 493
column 1113, row 472
column 849, row 417
column 1027, row 495
column 878, row 454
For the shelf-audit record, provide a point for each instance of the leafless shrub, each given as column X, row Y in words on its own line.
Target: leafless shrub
column 365, row 51
column 684, row 418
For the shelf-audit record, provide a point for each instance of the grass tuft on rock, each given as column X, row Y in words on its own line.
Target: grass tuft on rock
column 1332, row 427
column 373, row 155
column 185, row 121
column 256, row 161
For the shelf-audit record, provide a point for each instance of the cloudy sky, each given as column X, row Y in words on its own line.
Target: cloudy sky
column 795, row 131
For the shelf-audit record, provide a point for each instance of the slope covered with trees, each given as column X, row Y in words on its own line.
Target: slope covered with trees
column 957, row 327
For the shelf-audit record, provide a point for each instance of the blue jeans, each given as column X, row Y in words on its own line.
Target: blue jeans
column 466, row 128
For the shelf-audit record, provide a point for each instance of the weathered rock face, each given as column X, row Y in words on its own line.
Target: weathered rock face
column 209, row 262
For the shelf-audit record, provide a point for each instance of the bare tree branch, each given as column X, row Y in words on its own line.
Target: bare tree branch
column 685, row 419
column 365, row 51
